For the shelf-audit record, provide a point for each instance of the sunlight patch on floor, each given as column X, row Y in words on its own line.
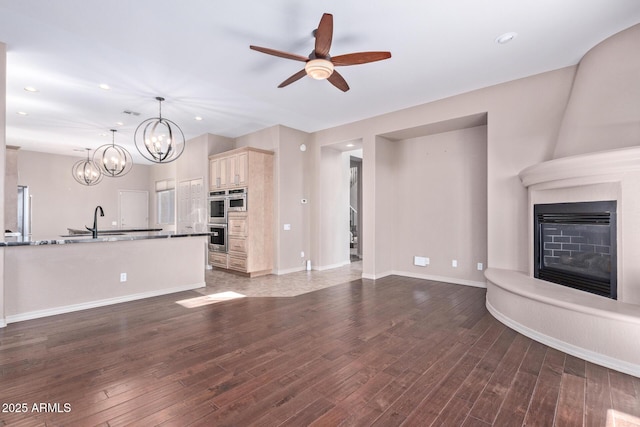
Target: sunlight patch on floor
column 620, row 419
column 210, row 299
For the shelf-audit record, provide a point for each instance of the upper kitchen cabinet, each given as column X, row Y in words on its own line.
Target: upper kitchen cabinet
column 238, row 164
column 231, row 168
column 218, row 172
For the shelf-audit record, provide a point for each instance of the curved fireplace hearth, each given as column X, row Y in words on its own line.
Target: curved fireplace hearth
column 588, row 325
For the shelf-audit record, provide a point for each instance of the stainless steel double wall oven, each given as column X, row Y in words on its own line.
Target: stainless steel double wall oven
column 220, row 203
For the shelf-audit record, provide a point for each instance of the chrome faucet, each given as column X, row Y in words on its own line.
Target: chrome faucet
column 94, row 230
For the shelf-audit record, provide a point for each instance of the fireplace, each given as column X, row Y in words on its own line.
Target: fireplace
column 575, row 245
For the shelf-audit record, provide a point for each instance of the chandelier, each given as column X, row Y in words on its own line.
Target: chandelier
column 112, row 160
column 86, row 172
column 159, row 140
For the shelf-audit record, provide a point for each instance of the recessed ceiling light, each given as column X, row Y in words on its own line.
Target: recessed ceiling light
column 349, row 145
column 198, row 118
column 31, row 89
column 22, row 113
column 506, row 37
column 104, row 86
column 120, row 123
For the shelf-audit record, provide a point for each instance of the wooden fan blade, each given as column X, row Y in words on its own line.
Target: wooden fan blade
column 338, row 81
column 324, row 34
column 297, row 76
column 279, row 53
column 359, row 58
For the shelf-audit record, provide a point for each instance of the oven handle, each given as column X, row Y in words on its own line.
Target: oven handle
column 221, row 225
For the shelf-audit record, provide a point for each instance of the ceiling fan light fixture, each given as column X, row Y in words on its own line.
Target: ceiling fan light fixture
column 319, row 69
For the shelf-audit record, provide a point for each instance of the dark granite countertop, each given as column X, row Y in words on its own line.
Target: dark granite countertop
column 82, row 231
column 110, row 236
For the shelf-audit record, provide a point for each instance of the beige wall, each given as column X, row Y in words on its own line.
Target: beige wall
column 333, row 224
column 523, row 121
column 385, row 181
column 604, row 110
column 292, row 184
column 440, row 199
column 59, row 202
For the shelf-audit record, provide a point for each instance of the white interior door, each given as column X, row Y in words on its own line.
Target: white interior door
column 134, row 209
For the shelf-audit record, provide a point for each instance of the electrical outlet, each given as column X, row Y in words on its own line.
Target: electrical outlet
column 123, row 277
column 287, row 227
column 480, row 266
column 454, row 263
column 301, row 254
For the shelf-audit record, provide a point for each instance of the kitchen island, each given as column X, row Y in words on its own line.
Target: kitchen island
column 44, row 277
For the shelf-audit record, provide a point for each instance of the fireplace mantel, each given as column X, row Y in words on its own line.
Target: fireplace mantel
column 557, row 317
column 585, row 166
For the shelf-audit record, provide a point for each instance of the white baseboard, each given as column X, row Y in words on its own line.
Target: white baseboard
column 377, row 276
column 288, row 270
column 445, row 279
column 99, row 303
column 591, row 356
column 329, row 267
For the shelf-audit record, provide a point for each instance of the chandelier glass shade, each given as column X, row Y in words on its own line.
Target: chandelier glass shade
column 86, row 172
column 113, row 160
column 159, row 140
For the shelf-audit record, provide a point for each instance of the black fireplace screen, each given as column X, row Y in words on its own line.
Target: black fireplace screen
column 575, row 245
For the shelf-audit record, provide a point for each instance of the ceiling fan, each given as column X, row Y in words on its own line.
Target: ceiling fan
column 319, row 64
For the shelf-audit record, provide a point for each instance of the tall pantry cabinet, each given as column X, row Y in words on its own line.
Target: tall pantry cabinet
column 250, row 233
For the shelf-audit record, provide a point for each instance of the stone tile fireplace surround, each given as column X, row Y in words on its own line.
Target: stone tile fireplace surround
column 595, row 328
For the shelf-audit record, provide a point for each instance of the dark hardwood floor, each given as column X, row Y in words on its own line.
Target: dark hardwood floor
column 396, row 351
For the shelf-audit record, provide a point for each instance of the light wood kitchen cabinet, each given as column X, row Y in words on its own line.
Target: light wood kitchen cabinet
column 238, row 164
column 228, row 171
column 218, row 173
column 218, row 259
column 237, row 225
column 250, row 233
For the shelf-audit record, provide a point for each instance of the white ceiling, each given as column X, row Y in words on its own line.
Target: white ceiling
column 196, row 54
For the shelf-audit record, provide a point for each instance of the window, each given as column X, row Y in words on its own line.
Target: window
column 166, row 201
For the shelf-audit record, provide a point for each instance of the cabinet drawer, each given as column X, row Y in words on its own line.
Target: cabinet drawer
column 239, row 264
column 238, row 245
column 218, row 259
column 237, row 227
